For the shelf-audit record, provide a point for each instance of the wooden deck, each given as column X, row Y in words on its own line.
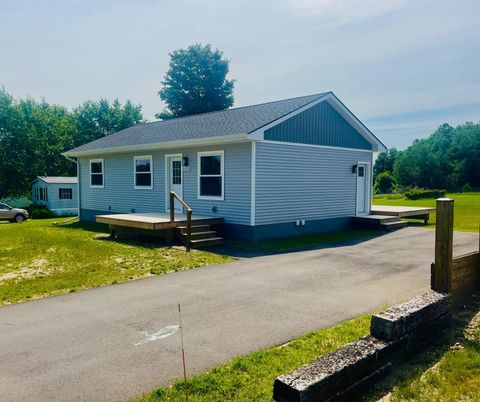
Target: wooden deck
column 155, row 221
column 403, row 212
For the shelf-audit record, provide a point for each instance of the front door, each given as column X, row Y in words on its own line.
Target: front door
column 175, row 180
column 363, row 181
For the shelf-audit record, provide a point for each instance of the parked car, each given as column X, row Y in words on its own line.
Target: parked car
column 8, row 213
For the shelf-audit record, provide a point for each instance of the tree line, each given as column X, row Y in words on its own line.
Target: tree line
column 34, row 134
column 448, row 159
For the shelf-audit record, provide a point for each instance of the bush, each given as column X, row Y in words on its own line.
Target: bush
column 418, row 193
column 41, row 213
column 467, row 188
column 384, row 183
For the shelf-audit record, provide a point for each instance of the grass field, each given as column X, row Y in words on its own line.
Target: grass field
column 466, row 214
column 250, row 378
column 38, row 259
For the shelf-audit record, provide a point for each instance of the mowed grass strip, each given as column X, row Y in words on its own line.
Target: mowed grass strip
column 38, row 259
column 466, row 214
column 455, row 377
column 250, row 378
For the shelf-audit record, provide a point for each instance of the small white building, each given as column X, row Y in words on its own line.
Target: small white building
column 59, row 194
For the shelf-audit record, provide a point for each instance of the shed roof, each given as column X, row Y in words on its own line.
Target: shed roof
column 57, row 179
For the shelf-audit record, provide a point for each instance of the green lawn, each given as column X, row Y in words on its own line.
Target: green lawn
column 38, row 259
column 449, row 371
column 250, row 378
column 466, row 214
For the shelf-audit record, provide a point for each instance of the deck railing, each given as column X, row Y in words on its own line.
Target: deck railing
column 174, row 196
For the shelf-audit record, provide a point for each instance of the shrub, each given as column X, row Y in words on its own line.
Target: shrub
column 467, row 188
column 41, row 213
column 417, row 193
column 384, row 183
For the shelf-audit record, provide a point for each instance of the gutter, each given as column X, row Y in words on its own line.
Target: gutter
column 161, row 145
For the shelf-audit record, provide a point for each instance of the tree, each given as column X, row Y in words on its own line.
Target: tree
column 385, row 162
column 384, row 183
column 96, row 119
column 34, row 134
column 196, row 82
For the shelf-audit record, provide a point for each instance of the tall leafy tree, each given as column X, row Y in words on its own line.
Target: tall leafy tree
column 34, row 134
column 385, row 162
column 196, row 82
column 96, row 119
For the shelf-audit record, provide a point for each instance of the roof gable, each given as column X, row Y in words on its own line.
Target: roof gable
column 320, row 124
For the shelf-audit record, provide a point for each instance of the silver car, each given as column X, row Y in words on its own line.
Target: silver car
column 8, row 213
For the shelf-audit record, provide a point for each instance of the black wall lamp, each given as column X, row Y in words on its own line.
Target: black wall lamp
column 185, row 161
column 354, row 168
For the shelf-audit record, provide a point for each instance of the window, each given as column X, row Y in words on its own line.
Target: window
column 143, row 171
column 65, row 193
column 41, row 194
column 361, row 171
column 96, row 173
column 210, row 175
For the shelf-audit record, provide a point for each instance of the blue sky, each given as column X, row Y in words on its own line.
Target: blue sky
column 403, row 67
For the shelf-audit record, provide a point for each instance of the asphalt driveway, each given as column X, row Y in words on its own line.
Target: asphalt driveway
column 81, row 346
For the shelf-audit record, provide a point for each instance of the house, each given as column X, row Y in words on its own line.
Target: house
column 59, row 194
column 276, row 169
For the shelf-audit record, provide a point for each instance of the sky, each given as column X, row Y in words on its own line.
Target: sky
column 402, row 66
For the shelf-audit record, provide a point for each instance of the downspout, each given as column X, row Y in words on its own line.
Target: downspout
column 78, row 187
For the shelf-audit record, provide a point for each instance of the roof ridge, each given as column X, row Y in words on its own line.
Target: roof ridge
column 233, row 108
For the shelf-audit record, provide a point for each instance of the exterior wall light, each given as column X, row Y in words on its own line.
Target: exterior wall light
column 354, row 169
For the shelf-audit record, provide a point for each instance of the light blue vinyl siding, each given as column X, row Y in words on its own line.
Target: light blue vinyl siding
column 119, row 196
column 319, row 125
column 54, row 202
column 296, row 182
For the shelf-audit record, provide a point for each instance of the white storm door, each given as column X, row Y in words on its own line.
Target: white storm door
column 175, row 178
column 362, row 189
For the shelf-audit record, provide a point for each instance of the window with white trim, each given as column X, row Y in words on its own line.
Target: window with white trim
column 210, row 175
column 96, row 172
column 65, row 193
column 143, row 171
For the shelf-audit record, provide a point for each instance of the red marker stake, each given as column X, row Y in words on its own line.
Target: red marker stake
column 183, row 353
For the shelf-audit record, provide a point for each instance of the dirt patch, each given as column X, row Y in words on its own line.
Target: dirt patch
column 38, row 267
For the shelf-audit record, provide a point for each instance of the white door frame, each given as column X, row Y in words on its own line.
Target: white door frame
column 168, row 158
column 368, row 187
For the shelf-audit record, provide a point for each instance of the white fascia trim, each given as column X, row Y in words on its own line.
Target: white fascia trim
column 253, row 178
column 297, row 144
column 162, row 145
column 340, row 108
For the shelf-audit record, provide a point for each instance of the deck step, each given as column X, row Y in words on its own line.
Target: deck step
column 195, row 228
column 201, row 235
column 211, row 241
column 376, row 219
column 389, row 226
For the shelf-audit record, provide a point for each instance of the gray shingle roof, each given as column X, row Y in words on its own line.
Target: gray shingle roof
column 58, row 179
column 242, row 120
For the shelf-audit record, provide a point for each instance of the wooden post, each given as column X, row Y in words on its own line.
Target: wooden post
column 189, row 228
column 172, row 206
column 443, row 245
